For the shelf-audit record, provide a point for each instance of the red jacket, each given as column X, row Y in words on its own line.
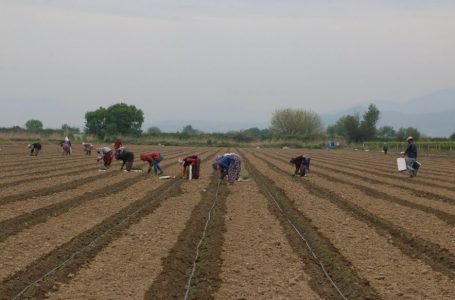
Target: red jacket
column 117, row 144
column 145, row 155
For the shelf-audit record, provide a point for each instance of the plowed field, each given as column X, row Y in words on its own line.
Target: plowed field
column 354, row 228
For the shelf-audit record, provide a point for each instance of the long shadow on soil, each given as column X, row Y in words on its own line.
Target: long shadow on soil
column 341, row 271
column 171, row 283
column 435, row 256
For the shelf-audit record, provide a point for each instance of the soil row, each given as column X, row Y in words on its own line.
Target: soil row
column 415, row 227
column 51, row 185
column 374, row 255
column 78, row 227
column 419, row 190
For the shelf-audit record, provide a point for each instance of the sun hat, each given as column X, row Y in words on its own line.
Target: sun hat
column 409, row 138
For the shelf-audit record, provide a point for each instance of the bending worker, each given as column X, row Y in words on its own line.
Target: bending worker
column 106, row 154
column 302, row 165
column 87, row 148
column 230, row 165
column 35, row 148
column 127, row 157
column 194, row 162
column 154, row 158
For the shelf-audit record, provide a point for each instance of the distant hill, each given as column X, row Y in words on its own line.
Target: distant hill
column 433, row 114
column 204, row 125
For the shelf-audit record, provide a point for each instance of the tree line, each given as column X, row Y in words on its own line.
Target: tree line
column 286, row 124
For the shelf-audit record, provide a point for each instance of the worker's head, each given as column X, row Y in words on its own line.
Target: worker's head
column 180, row 160
column 409, row 139
column 29, row 145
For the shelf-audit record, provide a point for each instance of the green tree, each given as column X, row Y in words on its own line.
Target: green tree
column 118, row 119
column 190, row 130
column 95, row 122
column 368, row 124
column 243, row 136
column 403, row 133
column 353, row 129
column 68, row 129
column 34, row 125
column 452, row 137
column 296, row 122
column 348, row 127
column 153, row 130
column 386, row 133
column 332, row 130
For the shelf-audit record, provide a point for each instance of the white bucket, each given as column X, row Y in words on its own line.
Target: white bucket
column 401, row 164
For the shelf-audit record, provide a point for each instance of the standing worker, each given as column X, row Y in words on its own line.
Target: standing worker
column 106, row 154
column 127, row 158
column 411, row 157
column 35, row 148
column 230, row 165
column 154, row 158
column 194, row 163
column 302, row 165
column 385, row 148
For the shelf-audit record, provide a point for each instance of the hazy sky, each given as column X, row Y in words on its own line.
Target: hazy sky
column 209, row 59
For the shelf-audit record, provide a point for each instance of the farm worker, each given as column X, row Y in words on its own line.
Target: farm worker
column 66, row 146
column 385, row 148
column 228, row 164
column 117, row 144
column 87, row 148
column 67, row 140
column 106, row 154
column 154, row 158
column 192, row 161
column 35, row 148
column 127, row 157
column 302, row 165
column 411, row 156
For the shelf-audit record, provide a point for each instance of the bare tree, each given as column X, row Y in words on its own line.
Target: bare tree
column 296, row 122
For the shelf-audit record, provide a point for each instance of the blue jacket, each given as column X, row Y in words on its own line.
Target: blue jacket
column 226, row 161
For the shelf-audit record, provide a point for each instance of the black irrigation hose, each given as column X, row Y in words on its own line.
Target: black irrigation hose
column 190, row 278
column 309, row 247
column 92, row 243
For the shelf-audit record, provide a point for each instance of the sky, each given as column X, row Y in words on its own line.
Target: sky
column 218, row 60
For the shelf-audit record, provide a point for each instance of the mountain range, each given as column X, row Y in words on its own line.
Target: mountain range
column 433, row 115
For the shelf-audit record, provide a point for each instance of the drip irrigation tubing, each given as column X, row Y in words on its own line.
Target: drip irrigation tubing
column 193, row 270
column 307, row 245
column 92, row 243
column 326, row 274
